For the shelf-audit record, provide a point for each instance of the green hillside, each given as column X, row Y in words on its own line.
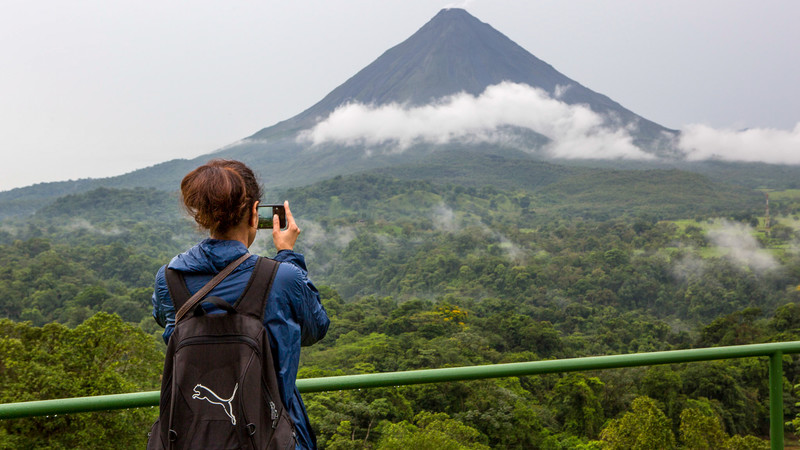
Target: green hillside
column 659, row 193
column 451, row 271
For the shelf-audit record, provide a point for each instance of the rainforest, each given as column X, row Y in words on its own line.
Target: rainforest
column 428, row 274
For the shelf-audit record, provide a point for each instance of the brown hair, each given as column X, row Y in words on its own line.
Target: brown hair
column 219, row 194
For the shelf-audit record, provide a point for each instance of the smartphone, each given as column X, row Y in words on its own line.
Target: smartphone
column 265, row 213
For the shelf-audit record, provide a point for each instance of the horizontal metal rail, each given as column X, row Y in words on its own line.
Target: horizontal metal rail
column 774, row 351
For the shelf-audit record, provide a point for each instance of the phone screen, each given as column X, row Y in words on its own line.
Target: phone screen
column 265, row 213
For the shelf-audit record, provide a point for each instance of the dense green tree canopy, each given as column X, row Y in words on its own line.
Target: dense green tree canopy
column 416, row 274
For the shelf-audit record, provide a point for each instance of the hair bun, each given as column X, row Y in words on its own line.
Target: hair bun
column 219, row 194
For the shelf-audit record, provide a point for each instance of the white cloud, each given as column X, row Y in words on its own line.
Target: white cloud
column 575, row 130
column 561, row 90
column 769, row 145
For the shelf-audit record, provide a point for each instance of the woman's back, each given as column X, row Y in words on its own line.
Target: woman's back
column 294, row 315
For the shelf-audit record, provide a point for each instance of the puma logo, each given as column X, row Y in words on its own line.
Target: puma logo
column 203, row 393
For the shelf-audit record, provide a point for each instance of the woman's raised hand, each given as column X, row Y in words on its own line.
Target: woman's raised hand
column 285, row 239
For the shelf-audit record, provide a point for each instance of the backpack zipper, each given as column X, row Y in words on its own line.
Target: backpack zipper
column 273, row 414
column 220, row 339
column 293, row 441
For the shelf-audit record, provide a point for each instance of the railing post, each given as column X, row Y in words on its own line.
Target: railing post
column 776, row 400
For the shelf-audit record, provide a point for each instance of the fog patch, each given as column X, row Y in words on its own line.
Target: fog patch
column 575, row 131
column 83, row 224
column 689, row 266
column 512, row 251
column 509, row 248
column 8, row 229
column 314, row 234
column 444, row 218
column 793, row 247
column 741, row 248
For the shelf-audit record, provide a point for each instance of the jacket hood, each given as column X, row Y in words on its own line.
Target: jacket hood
column 210, row 256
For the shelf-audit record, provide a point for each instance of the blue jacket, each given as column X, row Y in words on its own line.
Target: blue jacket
column 294, row 315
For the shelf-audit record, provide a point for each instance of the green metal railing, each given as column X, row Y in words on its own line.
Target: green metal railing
column 774, row 351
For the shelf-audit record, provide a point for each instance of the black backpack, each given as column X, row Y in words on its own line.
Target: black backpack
column 219, row 389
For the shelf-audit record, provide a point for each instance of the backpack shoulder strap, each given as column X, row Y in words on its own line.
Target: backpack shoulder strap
column 253, row 300
column 184, row 301
column 177, row 287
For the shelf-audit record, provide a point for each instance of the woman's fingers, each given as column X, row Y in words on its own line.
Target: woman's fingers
column 285, row 239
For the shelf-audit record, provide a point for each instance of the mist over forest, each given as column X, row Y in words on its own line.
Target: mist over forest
column 418, row 274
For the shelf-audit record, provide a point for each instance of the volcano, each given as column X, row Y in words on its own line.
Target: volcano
column 455, row 52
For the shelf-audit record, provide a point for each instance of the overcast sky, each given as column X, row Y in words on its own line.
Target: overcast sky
column 98, row 88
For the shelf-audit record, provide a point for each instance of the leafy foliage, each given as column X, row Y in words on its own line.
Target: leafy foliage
column 645, row 427
column 103, row 355
column 424, row 274
column 432, row 431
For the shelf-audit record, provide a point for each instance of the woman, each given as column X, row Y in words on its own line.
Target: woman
column 222, row 197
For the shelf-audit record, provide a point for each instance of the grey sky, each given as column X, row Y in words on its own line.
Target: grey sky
column 98, row 88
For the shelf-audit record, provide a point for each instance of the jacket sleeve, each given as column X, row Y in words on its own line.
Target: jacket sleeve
column 306, row 304
column 163, row 309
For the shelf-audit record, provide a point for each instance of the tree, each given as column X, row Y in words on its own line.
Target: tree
column 737, row 328
column 745, row 443
column 663, row 384
column 430, row 430
column 645, row 427
column 576, row 399
column 701, row 430
column 104, row 355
